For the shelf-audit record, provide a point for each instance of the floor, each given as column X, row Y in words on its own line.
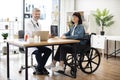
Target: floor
column 108, row 70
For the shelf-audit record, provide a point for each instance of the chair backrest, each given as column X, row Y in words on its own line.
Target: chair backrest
column 87, row 38
column 20, row 34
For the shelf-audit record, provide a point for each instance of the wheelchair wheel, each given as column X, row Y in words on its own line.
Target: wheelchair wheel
column 89, row 60
column 73, row 72
column 70, row 60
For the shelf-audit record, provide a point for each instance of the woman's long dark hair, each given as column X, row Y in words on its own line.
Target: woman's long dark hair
column 77, row 14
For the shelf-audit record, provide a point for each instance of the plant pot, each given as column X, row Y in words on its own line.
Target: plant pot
column 4, row 50
column 4, row 38
column 102, row 32
column 6, row 26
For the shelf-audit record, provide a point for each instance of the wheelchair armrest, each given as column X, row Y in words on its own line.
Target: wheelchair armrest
column 86, row 37
column 82, row 39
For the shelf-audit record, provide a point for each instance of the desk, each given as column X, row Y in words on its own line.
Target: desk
column 98, row 41
column 112, row 38
column 26, row 45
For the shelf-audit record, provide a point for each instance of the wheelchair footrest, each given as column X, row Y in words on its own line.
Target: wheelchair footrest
column 63, row 72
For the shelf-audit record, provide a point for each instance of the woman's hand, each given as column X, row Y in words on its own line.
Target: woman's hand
column 63, row 36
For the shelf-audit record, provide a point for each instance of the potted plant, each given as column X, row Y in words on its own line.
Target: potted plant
column 103, row 19
column 5, row 35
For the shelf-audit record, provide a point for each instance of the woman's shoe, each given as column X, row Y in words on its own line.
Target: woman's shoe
column 50, row 66
column 58, row 68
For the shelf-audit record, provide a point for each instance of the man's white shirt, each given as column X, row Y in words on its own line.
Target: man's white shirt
column 31, row 26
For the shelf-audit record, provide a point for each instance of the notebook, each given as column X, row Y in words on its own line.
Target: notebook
column 43, row 35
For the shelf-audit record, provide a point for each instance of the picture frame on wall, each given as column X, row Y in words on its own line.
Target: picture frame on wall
column 27, row 15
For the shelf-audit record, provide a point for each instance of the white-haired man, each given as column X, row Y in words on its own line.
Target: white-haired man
column 42, row 53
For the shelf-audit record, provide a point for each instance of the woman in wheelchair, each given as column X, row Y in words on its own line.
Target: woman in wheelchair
column 75, row 32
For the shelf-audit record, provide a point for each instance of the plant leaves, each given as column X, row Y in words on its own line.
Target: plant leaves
column 103, row 17
column 98, row 12
column 109, row 23
column 108, row 18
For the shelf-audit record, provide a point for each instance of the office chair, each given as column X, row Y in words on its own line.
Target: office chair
column 21, row 36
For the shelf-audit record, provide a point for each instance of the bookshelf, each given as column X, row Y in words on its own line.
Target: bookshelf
column 12, row 28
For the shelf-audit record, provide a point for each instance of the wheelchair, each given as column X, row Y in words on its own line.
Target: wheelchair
column 87, row 58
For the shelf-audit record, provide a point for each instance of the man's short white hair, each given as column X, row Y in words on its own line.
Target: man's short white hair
column 35, row 10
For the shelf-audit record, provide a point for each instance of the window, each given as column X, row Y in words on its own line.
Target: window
column 49, row 12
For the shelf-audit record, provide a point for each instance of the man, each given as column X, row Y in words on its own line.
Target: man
column 42, row 53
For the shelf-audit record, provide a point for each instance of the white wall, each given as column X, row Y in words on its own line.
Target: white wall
column 88, row 6
column 11, row 9
column 66, row 6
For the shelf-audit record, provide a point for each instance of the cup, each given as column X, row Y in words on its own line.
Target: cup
column 35, row 38
column 31, row 40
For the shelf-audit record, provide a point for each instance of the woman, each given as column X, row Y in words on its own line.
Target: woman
column 75, row 32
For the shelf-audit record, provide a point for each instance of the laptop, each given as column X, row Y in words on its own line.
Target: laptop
column 43, row 35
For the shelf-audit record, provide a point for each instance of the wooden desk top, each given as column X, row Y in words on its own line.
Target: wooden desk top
column 115, row 38
column 51, row 41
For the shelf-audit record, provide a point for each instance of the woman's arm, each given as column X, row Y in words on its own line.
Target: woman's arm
column 78, row 33
column 67, row 33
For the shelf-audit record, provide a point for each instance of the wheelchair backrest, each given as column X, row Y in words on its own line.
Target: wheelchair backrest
column 87, row 38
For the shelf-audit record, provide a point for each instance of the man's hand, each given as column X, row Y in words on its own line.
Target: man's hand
column 51, row 36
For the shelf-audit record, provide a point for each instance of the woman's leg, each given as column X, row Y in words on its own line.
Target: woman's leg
column 63, row 53
column 55, row 59
column 57, row 55
column 64, row 49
